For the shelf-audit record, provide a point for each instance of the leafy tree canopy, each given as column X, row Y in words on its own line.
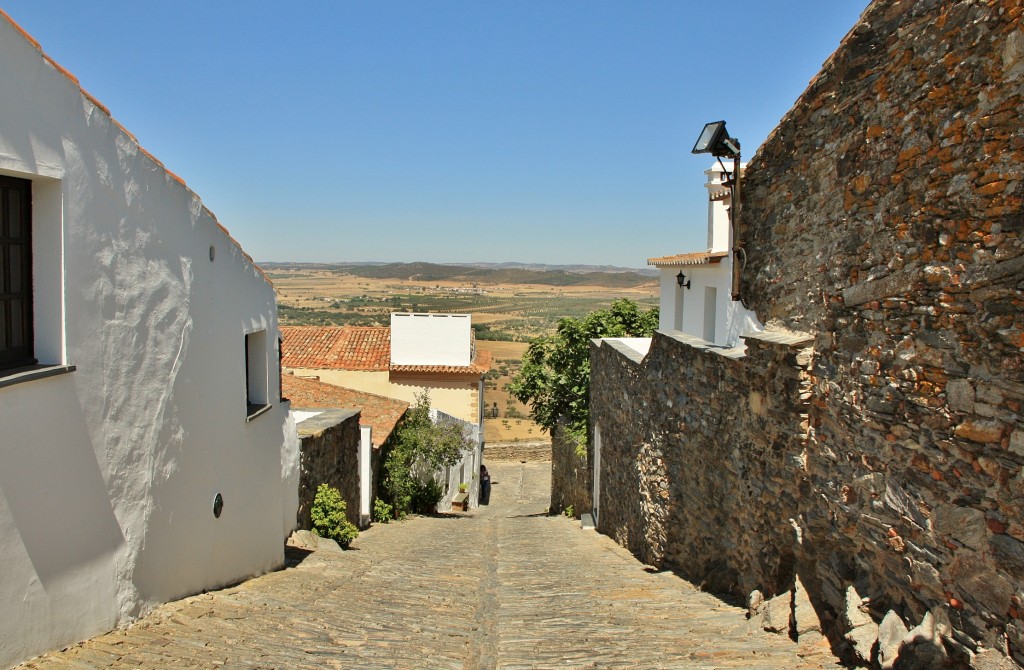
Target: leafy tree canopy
column 555, row 375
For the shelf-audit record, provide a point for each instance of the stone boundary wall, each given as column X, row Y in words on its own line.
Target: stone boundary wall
column 702, row 474
column 571, row 476
column 882, row 217
column 329, row 445
column 517, row 451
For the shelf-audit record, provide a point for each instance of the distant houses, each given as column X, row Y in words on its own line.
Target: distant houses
column 432, row 353
column 341, row 432
column 145, row 453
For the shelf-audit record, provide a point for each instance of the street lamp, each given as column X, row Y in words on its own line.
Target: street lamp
column 715, row 140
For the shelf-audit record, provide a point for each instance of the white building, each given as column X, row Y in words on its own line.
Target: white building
column 700, row 302
column 435, row 353
column 144, row 452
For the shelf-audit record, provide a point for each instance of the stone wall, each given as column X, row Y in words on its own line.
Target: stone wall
column 881, row 217
column 538, row 450
column 571, row 482
column 701, row 457
column 330, row 455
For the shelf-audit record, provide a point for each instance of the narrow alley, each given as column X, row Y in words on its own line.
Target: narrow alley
column 505, row 586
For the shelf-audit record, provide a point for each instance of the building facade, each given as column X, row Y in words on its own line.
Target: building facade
column 145, row 454
column 434, row 354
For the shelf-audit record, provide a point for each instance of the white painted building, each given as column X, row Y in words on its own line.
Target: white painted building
column 418, row 352
column 144, row 451
column 702, row 306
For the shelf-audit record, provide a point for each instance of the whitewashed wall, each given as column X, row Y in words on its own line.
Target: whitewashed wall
column 467, row 470
column 706, row 309
column 731, row 319
column 431, row 339
column 108, row 473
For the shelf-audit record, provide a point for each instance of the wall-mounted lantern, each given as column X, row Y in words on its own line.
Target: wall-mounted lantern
column 682, row 281
column 715, row 140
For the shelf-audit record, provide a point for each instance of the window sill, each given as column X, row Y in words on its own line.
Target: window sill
column 255, row 410
column 32, row 373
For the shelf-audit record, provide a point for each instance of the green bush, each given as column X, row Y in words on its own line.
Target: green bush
column 382, row 512
column 329, row 518
column 425, row 447
column 426, row 495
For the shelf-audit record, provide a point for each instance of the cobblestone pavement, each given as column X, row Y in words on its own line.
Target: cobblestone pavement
column 501, row 587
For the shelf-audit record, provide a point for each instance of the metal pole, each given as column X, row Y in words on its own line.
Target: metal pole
column 734, row 216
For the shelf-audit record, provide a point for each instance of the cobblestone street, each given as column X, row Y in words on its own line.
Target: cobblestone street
column 501, row 587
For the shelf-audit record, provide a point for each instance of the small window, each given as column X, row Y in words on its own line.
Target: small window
column 257, row 397
column 16, row 313
column 280, row 370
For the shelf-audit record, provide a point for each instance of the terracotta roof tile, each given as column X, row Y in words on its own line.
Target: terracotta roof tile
column 357, row 348
column 74, row 80
column 695, row 258
column 378, row 412
column 480, row 365
column 336, row 347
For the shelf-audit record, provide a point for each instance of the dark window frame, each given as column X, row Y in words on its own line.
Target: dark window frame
column 16, row 275
column 257, row 396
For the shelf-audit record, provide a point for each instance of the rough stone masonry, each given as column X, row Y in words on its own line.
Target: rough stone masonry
column 871, row 452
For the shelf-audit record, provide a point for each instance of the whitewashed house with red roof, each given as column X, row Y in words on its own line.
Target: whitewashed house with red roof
column 145, row 454
column 419, row 352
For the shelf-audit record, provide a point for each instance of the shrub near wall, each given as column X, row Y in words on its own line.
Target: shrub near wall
column 329, row 446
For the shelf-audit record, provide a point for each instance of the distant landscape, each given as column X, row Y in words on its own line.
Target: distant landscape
column 509, row 302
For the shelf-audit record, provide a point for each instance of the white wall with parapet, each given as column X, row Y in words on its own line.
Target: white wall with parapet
column 706, row 309
column 466, row 470
column 431, row 339
column 108, row 473
column 730, row 318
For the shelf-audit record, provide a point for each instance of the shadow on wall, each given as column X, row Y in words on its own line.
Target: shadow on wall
column 54, row 489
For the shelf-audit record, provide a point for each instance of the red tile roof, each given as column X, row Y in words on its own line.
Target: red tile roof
column 364, row 348
column 103, row 108
column 696, row 258
column 480, row 365
column 336, row 347
column 378, row 412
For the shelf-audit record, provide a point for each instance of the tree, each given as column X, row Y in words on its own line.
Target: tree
column 420, row 449
column 555, row 375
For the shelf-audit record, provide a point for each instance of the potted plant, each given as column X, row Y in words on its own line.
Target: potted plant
column 460, row 503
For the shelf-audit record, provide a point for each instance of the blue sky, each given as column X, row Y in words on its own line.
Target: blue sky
column 444, row 131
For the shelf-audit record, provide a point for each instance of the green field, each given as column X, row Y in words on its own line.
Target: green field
column 517, row 318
